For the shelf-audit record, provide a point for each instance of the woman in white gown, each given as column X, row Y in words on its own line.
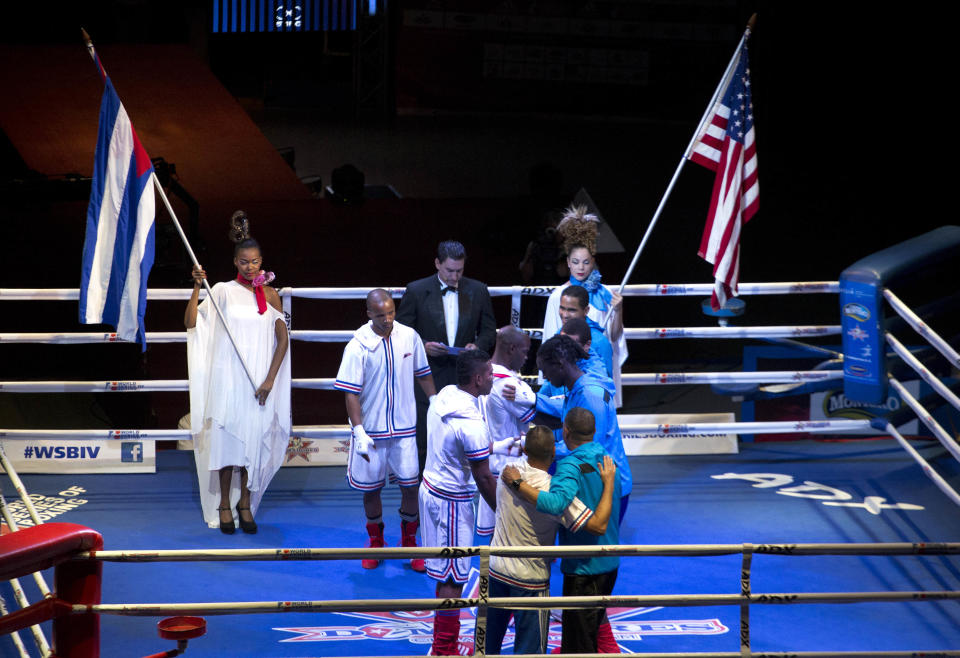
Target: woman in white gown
column 240, row 435
column 579, row 232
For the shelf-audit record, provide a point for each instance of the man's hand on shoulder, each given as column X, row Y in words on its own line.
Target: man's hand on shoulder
column 509, row 474
column 597, row 525
column 608, row 471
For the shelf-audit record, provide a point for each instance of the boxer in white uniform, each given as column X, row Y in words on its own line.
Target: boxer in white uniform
column 507, row 420
column 376, row 375
column 457, row 466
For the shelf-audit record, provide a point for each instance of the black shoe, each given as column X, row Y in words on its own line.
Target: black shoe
column 249, row 527
column 226, row 528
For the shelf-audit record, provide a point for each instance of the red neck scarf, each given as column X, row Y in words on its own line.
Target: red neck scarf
column 257, row 284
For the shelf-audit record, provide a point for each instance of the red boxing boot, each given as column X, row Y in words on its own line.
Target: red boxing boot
column 409, row 530
column 375, row 530
column 606, row 643
column 446, row 633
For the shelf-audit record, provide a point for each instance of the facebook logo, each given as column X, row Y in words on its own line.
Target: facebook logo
column 131, row 451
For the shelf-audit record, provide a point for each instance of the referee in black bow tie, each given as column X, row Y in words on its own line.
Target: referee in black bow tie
column 447, row 310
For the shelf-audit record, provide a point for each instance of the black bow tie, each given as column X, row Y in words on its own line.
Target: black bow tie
column 445, row 289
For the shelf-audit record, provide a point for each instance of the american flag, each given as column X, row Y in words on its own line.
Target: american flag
column 726, row 145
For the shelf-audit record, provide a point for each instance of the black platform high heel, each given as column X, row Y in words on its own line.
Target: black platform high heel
column 227, row 528
column 249, row 527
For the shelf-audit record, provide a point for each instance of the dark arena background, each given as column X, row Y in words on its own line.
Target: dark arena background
column 477, row 121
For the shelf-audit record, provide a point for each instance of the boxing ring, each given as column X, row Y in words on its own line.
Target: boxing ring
column 66, row 607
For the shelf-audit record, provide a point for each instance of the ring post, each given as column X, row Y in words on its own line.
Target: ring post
column 515, row 301
column 862, row 309
column 78, row 636
column 76, row 583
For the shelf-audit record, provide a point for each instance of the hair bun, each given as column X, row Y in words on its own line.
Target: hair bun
column 239, row 227
column 578, row 228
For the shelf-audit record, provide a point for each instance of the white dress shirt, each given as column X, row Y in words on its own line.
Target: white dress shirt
column 451, row 312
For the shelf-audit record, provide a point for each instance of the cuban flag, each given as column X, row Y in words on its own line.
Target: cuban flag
column 119, row 244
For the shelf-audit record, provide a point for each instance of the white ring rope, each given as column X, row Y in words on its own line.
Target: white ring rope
column 79, row 338
column 343, row 431
column 921, row 370
column 785, row 331
column 327, row 383
column 921, row 328
column 770, row 427
column 945, row 439
column 759, row 377
column 520, row 602
column 404, row 553
column 318, row 383
column 941, row 484
column 131, row 386
column 706, row 289
column 338, row 336
column 687, row 429
column 949, row 442
column 642, row 290
column 96, row 386
column 83, row 435
column 328, row 336
column 21, row 598
column 18, row 487
column 73, row 294
column 15, row 635
column 349, row 293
